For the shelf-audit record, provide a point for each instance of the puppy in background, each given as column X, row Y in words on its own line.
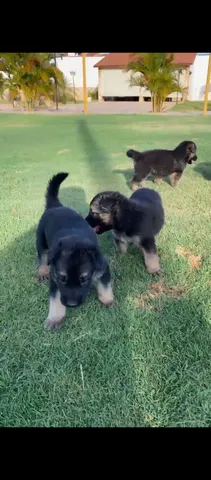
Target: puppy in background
column 136, row 220
column 68, row 252
column 162, row 163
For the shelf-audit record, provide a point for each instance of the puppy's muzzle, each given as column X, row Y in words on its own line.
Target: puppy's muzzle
column 71, row 303
column 93, row 222
column 192, row 159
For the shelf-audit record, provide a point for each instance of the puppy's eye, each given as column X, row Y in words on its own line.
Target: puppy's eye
column 63, row 277
column 83, row 278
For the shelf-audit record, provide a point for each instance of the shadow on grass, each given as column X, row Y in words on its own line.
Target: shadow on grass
column 98, row 160
column 81, row 375
column 74, row 197
column 204, row 169
column 95, row 153
column 117, row 367
column 128, row 174
column 106, row 367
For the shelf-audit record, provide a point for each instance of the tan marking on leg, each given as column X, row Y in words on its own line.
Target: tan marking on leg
column 121, row 247
column 57, row 312
column 151, row 262
column 105, row 294
column 43, row 269
column 175, row 178
column 158, row 180
column 135, row 186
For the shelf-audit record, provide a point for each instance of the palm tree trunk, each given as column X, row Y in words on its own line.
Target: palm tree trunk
column 153, row 102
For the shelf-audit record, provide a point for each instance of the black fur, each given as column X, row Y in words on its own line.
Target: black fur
column 137, row 219
column 161, row 163
column 73, row 252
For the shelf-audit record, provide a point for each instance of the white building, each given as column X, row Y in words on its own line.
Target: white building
column 113, row 81
column 73, row 63
column 198, row 77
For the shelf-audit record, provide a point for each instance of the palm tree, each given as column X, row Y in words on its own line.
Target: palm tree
column 30, row 75
column 2, row 83
column 157, row 73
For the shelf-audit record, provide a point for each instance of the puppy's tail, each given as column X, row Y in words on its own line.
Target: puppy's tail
column 52, row 191
column 134, row 154
column 130, row 153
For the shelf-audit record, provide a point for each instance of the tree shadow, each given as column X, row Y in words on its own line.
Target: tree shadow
column 97, row 159
column 127, row 173
column 74, row 197
column 204, row 169
column 79, row 367
column 120, row 367
column 124, row 366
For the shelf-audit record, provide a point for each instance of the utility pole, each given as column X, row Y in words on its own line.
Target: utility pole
column 207, row 86
column 84, row 83
column 72, row 73
column 56, row 85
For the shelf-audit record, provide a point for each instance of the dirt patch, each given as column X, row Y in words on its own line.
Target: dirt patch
column 193, row 260
column 120, row 168
column 63, row 151
column 140, row 128
column 18, row 125
column 150, row 126
column 156, row 291
column 131, row 146
column 117, row 154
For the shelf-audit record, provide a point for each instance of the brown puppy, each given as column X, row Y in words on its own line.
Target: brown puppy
column 136, row 220
column 162, row 163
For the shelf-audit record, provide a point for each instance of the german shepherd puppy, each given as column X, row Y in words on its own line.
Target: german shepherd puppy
column 162, row 163
column 135, row 220
column 69, row 253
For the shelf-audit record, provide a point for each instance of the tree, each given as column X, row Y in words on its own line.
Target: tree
column 30, row 75
column 157, row 73
column 2, row 83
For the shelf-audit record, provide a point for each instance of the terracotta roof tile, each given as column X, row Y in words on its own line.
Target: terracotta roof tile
column 120, row 60
column 93, row 54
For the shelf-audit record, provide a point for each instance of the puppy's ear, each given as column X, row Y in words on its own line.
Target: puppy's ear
column 111, row 207
column 97, row 258
column 54, row 252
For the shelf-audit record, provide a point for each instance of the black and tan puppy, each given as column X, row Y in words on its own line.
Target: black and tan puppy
column 69, row 254
column 162, row 163
column 135, row 220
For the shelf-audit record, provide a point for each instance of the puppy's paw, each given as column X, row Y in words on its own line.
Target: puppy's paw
column 156, row 272
column 43, row 273
column 42, row 279
column 107, row 304
column 122, row 248
column 53, row 323
column 106, row 296
column 136, row 186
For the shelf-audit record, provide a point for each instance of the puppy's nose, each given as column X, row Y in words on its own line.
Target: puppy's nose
column 72, row 304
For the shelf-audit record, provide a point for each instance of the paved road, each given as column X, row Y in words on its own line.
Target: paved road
column 93, row 108
column 101, row 108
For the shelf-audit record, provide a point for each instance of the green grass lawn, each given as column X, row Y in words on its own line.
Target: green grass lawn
column 147, row 360
column 190, row 106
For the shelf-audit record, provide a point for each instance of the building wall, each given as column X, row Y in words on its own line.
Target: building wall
column 68, row 64
column 115, row 83
column 198, row 77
